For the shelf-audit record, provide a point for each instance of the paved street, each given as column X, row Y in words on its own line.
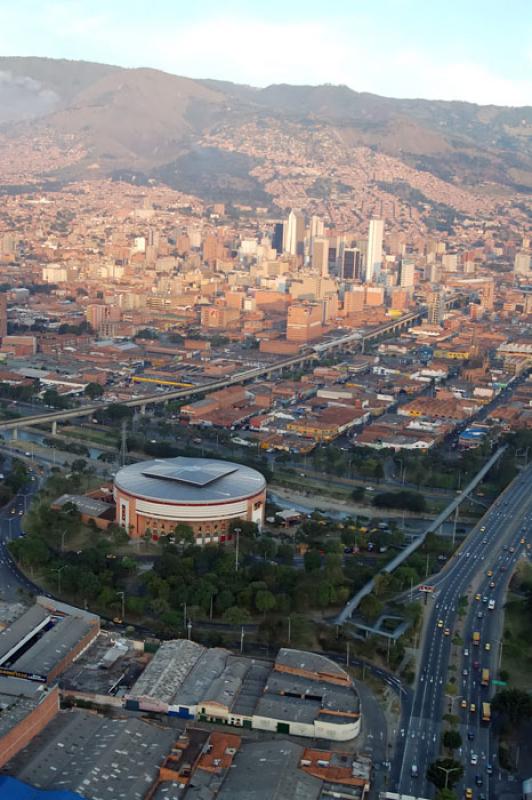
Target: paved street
column 488, row 545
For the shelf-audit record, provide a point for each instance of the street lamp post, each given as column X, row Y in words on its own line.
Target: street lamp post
column 59, row 570
column 123, row 596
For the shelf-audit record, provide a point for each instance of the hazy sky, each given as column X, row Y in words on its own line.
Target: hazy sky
column 477, row 50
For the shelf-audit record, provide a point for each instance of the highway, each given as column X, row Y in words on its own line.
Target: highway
column 12, row 581
column 485, row 547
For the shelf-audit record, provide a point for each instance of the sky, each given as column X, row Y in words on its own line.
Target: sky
column 474, row 50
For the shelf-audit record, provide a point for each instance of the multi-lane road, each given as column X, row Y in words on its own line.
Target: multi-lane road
column 12, row 581
column 494, row 543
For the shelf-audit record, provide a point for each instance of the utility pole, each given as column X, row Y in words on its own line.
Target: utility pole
column 211, row 608
column 189, row 630
column 289, row 629
column 242, row 634
column 347, row 656
column 185, row 616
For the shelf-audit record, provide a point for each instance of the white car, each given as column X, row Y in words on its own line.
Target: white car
column 474, row 759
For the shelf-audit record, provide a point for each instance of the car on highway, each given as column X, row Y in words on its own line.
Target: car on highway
column 487, row 646
column 489, row 769
column 473, row 707
column 492, row 584
column 468, row 794
column 440, row 623
column 485, row 598
column 447, row 632
column 465, row 672
column 463, row 703
column 466, row 652
column 478, row 780
column 477, row 597
column 471, row 735
column 474, row 759
column 522, row 540
column 476, row 664
column 489, row 573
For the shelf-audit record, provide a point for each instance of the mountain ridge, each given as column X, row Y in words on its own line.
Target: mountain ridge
column 143, row 119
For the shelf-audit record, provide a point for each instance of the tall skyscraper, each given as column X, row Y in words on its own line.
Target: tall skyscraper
column 406, row 273
column 320, row 256
column 435, row 308
column 374, row 254
column 277, row 239
column 294, row 234
column 350, row 265
column 317, row 228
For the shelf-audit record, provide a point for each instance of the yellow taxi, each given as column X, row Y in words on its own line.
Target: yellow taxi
column 477, row 597
column 472, row 708
column 468, row 794
column 489, row 573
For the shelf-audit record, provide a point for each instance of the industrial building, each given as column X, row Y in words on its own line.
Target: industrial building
column 303, row 694
column 45, row 640
column 152, row 497
column 94, row 756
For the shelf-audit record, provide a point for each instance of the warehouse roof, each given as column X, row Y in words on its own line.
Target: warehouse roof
column 265, row 770
column 51, row 648
column 18, row 698
column 190, row 480
column 82, row 752
column 32, row 620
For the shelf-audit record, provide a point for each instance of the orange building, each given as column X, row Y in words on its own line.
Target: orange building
column 304, row 322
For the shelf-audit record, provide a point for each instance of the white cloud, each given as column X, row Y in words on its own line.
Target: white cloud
column 248, row 50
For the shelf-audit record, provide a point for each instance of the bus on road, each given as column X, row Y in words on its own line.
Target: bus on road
column 486, row 712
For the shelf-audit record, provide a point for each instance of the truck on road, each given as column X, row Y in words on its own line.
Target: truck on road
column 476, row 638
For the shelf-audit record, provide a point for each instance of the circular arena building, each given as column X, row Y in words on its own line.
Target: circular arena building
column 206, row 494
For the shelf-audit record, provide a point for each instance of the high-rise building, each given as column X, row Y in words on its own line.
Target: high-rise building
column 350, row 264
column 522, row 263
column 304, row 322
column 317, row 228
column 374, row 254
column 435, row 307
column 320, row 256
column 294, row 234
column 277, row 239
column 406, row 273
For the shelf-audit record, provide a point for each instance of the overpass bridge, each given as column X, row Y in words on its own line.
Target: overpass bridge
column 313, row 353
column 392, row 565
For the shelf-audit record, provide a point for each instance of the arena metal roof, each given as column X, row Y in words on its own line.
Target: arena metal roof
column 190, row 480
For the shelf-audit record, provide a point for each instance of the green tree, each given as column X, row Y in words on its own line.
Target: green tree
column 235, row 615
column 264, row 601
column 452, row 740
column 93, row 390
column 446, row 794
column 514, row 704
column 445, row 773
column 370, row 607
column 312, row 561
